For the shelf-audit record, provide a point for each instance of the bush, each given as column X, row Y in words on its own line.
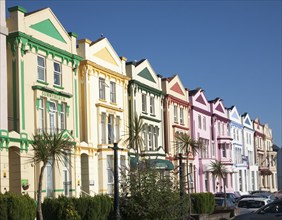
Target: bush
column 83, row 208
column 14, row 207
column 202, row 203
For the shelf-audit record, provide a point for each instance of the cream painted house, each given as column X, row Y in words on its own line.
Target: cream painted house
column 146, row 101
column 103, row 115
column 42, row 96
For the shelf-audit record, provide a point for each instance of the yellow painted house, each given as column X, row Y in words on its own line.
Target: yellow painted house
column 103, row 111
column 42, row 96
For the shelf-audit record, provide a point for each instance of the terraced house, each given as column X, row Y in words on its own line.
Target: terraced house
column 146, row 101
column 221, row 145
column 42, row 83
column 265, row 157
column 249, row 147
column 201, row 130
column 103, row 115
column 177, row 121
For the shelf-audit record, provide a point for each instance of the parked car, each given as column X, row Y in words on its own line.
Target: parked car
column 252, row 204
column 271, row 211
column 231, row 196
column 278, row 194
column 259, row 191
column 219, row 205
column 267, row 195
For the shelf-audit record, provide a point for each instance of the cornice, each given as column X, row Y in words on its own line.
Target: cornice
column 109, row 107
column 146, row 88
column 106, row 71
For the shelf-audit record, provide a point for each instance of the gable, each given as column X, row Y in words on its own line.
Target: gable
column 47, row 27
column 219, row 108
column 145, row 73
column 200, row 99
column 247, row 121
column 105, row 54
column 235, row 115
column 176, row 88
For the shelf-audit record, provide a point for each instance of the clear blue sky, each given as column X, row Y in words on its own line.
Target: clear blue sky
column 231, row 49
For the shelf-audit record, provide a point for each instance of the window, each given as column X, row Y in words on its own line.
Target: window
column 152, row 105
column 53, row 117
column 156, row 136
column 57, row 74
column 41, row 115
column 223, row 147
column 117, row 128
column 207, row 181
column 175, row 114
column 150, row 137
column 144, row 135
column 199, row 122
column 110, row 174
column 218, row 129
column 122, row 170
column 213, row 149
column 49, row 179
column 144, row 103
column 102, row 94
column 111, row 129
column 66, row 174
column 204, row 123
column 113, row 92
column 204, row 153
column 63, row 116
column 181, row 118
column 41, row 70
column 103, row 128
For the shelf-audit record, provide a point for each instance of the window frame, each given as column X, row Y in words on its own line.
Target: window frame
column 112, row 92
column 41, row 68
column 102, row 88
column 58, row 73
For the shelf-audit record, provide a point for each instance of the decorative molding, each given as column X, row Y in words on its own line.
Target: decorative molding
column 109, row 107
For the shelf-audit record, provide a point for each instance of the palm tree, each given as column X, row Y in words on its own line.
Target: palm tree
column 188, row 146
column 135, row 139
column 48, row 147
column 218, row 169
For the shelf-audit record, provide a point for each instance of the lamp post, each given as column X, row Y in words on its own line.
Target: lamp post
column 181, row 186
column 116, row 184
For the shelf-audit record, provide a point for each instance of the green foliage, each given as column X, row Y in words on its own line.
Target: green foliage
column 14, row 207
column 83, row 208
column 149, row 194
column 202, row 203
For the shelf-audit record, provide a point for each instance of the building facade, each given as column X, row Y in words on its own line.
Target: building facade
column 41, row 62
column 177, row 121
column 146, row 102
column 103, row 115
column 221, row 144
column 249, row 154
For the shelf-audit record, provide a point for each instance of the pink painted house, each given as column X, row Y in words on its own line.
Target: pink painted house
column 221, row 145
column 200, row 115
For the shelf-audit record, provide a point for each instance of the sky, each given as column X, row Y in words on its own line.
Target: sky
column 229, row 48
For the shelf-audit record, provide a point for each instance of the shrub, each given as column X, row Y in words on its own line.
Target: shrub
column 202, row 203
column 14, row 207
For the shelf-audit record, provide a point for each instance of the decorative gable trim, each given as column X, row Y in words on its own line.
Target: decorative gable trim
column 201, row 100
column 219, row 108
column 145, row 73
column 47, row 27
column 176, row 88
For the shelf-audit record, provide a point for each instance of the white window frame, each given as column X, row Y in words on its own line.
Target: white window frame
column 63, row 118
column 175, row 115
column 181, row 116
column 41, row 115
column 102, row 89
column 199, row 121
column 144, row 103
column 103, row 127
column 152, row 105
column 113, row 92
column 150, row 138
column 111, row 130
column 57, row 74
column 117, row 130
column 53, row 117
column 41, row 68
column 110, row 175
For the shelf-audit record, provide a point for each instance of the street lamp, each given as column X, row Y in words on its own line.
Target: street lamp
column 116, row 184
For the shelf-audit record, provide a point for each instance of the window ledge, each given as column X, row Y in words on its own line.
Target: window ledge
column 102, row 100
column 113, row 103
column 58, row 87
column 145, row 113
column 42, row 82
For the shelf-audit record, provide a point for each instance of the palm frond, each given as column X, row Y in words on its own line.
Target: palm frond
column 218, row 169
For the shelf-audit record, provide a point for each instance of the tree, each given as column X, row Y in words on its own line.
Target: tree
column 219, row 170
column 48, row 147
column 188, row 146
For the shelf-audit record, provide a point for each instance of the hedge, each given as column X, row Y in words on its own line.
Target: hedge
column 83, row 208
column 202, row 203
column 14, row 206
